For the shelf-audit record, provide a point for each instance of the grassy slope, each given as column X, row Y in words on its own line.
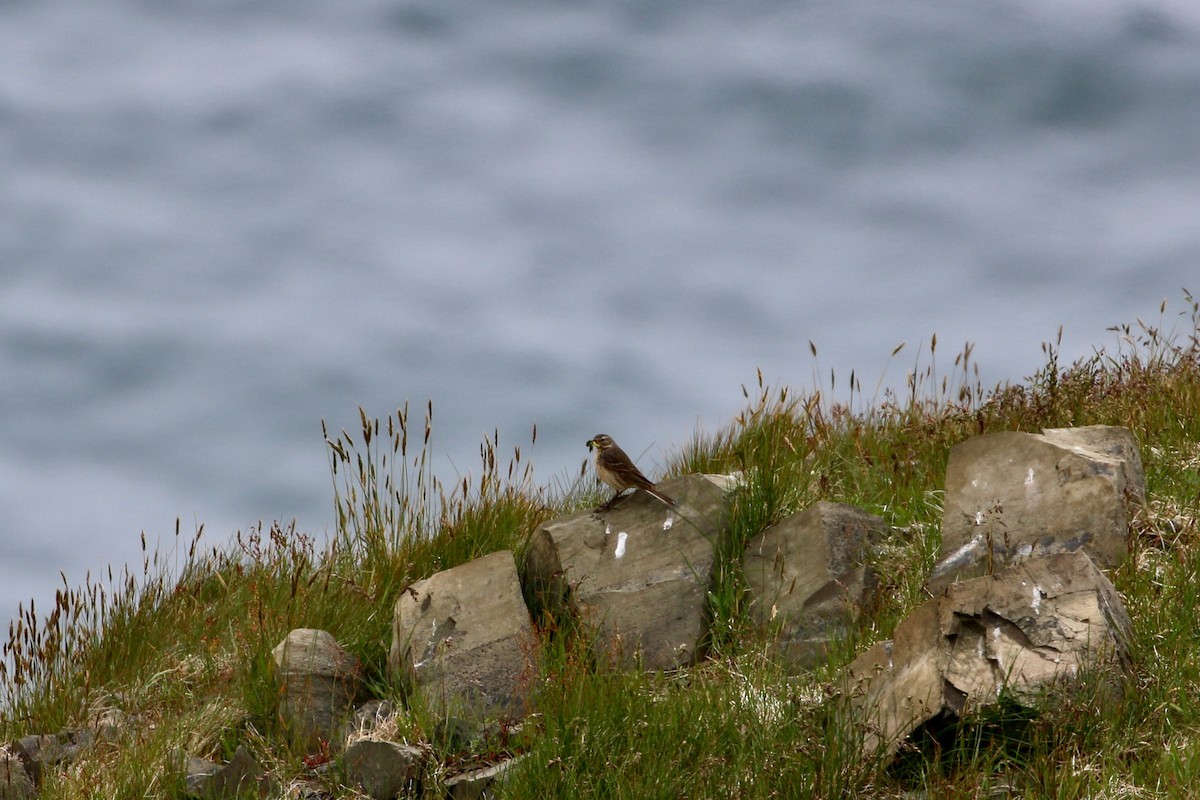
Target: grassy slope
column 185, row 646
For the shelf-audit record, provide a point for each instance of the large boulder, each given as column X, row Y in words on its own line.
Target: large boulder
column 1032, row 627
column 319, row 682
column 1014, row 495
column 807, row 575
column 463, row 639
column 638, row 574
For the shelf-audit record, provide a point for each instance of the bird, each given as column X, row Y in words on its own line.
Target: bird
column 617, row 470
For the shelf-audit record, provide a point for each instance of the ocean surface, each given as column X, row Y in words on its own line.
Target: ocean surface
column 224, row 222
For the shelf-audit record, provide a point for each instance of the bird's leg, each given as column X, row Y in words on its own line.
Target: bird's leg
column 609, row 504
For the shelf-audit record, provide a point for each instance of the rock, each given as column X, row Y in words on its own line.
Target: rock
column 318, row 685
column 243, row 772
column 639, row 574
column 15, row 782
column 1014, row 495
column 242, row 776
column 477, row 784
column 39, row 751
column 464, row 640
column 381, row 770
column 196, row 772
column 807, row 575
column 1033, row 626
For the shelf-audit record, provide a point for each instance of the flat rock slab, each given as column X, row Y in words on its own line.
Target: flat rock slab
column 1034, row 626
column 319, row 682
column 807, row 575
column 464, row 640
column 1015, row 495
column 478, row 784
column 639, row 574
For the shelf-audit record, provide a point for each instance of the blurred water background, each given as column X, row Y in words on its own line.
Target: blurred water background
column 223, row 222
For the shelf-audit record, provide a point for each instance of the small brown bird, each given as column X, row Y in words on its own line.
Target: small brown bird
column 617, row 470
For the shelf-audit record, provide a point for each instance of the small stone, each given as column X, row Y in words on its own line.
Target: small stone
column 209, row 780
column 382, row 770
column 319, row 683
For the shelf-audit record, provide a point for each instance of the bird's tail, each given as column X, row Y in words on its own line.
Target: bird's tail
column 661, row 496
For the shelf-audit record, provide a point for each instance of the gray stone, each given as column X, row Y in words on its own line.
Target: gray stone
column 638, row 574
column 1030, row 628
column 40, row 751
column 15, row 782
column 241, row 776
column 381, row 770
column 464, row 640
column 478, row 784
column 319, row 683
column 1015, row 495
column 196, row 772
column 807, row 577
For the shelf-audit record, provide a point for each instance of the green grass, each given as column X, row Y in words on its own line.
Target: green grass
column 182, row 647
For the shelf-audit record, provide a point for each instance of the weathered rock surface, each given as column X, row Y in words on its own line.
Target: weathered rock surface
column 381, row 770
column 319, row 682
column 638, row 573
column 807, row 575
column 1014, row 495
column 15, row 783
column 464, row 640
column 1033, row 626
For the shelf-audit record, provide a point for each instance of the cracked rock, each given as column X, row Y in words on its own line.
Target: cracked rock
column 1035, row 626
